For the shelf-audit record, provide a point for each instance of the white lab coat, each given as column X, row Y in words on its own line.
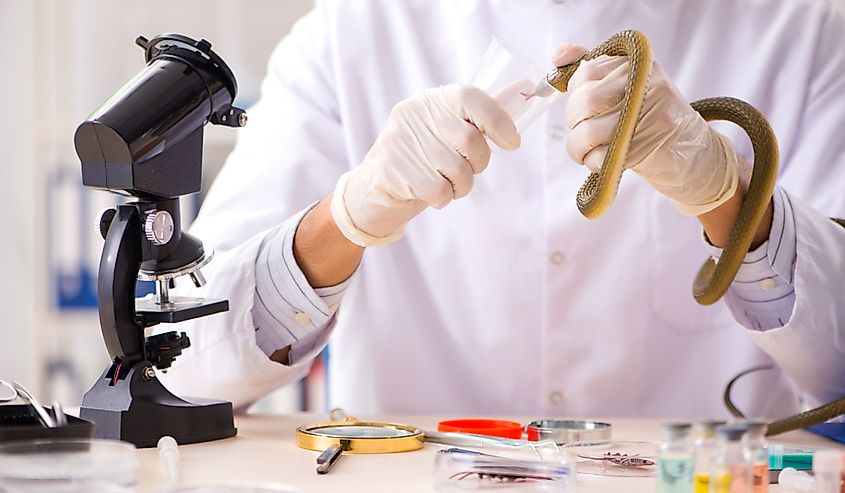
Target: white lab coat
column 508, row 301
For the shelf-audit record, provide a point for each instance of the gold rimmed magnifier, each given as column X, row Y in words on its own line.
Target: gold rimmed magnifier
column 346, row 434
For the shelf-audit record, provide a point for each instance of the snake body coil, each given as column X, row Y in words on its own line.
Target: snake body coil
column 598, row 191
column 595, row 196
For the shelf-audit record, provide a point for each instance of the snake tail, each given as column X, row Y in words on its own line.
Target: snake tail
column 799, row 421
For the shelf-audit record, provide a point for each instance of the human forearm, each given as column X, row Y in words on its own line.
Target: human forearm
column 325, row 256
column 718, row 222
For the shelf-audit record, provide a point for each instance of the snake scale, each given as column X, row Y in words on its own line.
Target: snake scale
column 599, row 190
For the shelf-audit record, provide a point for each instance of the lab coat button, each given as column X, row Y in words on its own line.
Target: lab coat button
column 302, row 318
column 556, row 398
column 556, row 258
column 333, row 308
column 767, row 284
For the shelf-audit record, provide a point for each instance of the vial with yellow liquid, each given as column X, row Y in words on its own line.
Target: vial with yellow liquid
column 704, row 446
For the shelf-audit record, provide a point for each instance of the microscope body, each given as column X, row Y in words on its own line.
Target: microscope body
column 146, row 142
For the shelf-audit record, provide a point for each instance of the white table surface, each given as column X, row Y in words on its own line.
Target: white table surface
column 265, row 452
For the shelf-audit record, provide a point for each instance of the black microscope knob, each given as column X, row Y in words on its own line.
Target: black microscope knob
column 105, row 220
column 162, row 349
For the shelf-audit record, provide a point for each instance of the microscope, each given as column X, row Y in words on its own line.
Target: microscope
column 145, row 142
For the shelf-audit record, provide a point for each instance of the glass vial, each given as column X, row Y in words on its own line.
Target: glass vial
column 827, row 468
column 704, row 450
column 757, row 449
column 675, row 459
column 731, row 471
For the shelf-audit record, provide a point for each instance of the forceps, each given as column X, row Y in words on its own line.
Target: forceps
column 19, row 390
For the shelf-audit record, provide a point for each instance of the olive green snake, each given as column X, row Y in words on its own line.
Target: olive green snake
column 599, row 190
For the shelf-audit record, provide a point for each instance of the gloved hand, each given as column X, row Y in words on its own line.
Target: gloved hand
column 673, row 146
column 427, row 155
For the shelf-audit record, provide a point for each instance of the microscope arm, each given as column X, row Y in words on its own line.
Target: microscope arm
column 118, row 272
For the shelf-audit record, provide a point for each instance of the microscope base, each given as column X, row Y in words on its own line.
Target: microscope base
column 141, row 411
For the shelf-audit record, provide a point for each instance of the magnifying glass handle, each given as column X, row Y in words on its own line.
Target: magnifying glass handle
column 328, row 458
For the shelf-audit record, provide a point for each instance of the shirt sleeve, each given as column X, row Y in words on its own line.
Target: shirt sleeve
column 762, row 295
column 287, row 310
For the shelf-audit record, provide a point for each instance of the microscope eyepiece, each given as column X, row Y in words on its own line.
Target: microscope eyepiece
column 146, row 139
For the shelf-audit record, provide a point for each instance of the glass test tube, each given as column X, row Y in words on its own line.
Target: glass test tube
column 827, row 468
column 731, row 471
column 704, row 445
column 675, row 459
column 757, row 448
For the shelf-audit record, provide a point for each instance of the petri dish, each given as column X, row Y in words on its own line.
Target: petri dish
column 563, row 431
column 487, row 427
column 67, row 466
column 613, row 457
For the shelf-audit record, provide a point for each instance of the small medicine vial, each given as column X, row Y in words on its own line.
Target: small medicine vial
column 704, row 451
column 731, row 471
column 757, row 448
column 675, row 459
column 827, row 469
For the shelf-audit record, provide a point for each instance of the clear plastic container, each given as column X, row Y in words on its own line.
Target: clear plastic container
column 518, row 85
column 614, row 457
column 233, row 488
column 67, row 466
column 463, row 470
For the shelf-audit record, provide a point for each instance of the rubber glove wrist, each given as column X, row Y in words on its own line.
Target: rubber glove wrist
column 347, row 226
column 718, row 182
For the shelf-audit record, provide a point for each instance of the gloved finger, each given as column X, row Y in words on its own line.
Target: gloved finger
column 590, row 134
column 436, row 186
column 465, row 139
column 458, row 172
column 595, row 98
column 595, row 158
column 566, row 53
column 475, row 106
column 597, row 69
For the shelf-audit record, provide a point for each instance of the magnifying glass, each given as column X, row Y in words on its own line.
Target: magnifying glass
column 349, row 435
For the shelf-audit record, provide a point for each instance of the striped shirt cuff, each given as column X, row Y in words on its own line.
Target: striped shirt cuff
column 762, row 295
column 287, row 310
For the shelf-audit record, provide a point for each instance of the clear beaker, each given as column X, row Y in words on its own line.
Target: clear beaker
column 517, row 84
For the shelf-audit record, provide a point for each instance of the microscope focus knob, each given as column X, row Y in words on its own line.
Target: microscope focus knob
column 104, row 221
column 158, row 227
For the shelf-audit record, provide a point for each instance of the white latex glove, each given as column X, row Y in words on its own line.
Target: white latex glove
column 673, row 146
column 427, row 155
